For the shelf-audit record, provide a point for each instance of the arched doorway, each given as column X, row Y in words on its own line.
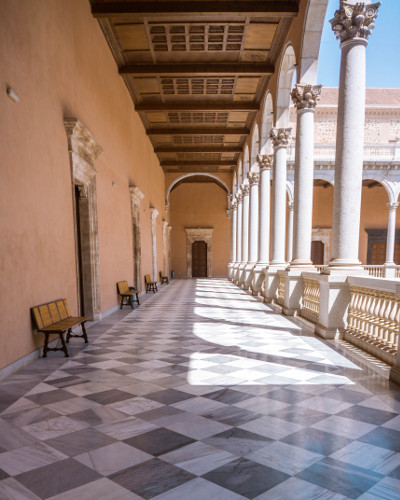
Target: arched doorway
column 199, row 259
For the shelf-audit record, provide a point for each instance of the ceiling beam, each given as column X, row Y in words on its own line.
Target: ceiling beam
column 201, row 148
column 198, row 131
column 197, row 164
column 198, row 106
column 196, row 69
column 283, row 8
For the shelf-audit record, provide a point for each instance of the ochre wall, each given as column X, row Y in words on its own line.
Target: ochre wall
column 54, row 55
column 199, row 205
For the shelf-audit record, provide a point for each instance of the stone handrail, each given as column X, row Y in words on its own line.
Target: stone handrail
column 281, row 290
column 377, row 271
column 310, row 300
column 373, row 316
column 372, row 152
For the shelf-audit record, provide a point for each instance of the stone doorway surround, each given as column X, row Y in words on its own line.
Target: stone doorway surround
column 83, row 151
column 136, row 197
column 198, row 234
column 323, row 234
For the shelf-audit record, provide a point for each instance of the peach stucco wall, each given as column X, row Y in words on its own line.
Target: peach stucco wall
column 54, row 55
column 199, row 205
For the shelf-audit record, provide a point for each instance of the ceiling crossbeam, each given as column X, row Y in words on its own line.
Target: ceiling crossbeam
column 196, row 69
column 198, row 106
column 202, row 148
column 198, row 131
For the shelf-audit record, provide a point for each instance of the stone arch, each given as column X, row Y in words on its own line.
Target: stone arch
column 325, row 176
column 266, row 125
column 290, row 191
column 286, row 71
column 218, row 181
column 246, row 164
column 255, row 149
column 311, row 40
column 392, row 188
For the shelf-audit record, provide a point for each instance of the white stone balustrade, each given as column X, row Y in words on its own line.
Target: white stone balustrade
column 373, row 316
column 325, row 153
column 310, row 300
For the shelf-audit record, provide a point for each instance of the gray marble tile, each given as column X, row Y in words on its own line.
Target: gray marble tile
column 199, row 489
column 101, row 489
column 79, row 442
column 29, row 457
column 11, row 489
column 238, row 441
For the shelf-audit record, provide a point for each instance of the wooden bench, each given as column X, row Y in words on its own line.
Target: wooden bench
column 126, row 292
column 164, row 278
column 55, row 318
column 151, row 286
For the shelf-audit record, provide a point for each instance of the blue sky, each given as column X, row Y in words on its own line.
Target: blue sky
column 383, row 51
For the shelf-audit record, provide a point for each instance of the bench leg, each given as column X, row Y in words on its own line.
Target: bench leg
column 84, row 334
column 137, row 298
column 122, row 302
column 130, row 300
column 64, row 345
column 46, row 342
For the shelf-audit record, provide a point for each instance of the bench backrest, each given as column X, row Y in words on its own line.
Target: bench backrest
column 50, row 313
column 147, row 278
column 162, row 275
column 123, row 287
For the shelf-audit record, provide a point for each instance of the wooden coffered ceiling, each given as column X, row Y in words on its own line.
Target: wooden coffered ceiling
column 196, row 71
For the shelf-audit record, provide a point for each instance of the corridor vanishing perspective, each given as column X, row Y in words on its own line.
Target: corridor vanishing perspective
column 201, row 392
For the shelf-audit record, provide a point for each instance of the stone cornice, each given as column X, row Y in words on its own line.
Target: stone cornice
column 305, row 96
column 265, row 161
column 354, row 20
column 280, row 137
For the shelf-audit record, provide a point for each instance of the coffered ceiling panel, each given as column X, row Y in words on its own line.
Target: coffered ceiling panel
column 196, row 70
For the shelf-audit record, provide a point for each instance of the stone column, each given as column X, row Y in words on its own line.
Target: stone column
column 254, row 178
column 153, row 215
column 304, row 98
column 265, row 163
column 352, row 25
column 245, row 223
column 239, row 217
column 233, row 217
column 280, row 139
column 289, row 246
column 391, row 232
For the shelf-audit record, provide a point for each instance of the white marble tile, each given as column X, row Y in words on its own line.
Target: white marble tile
column 102, row 489
column 29, row 457
column 199, row 489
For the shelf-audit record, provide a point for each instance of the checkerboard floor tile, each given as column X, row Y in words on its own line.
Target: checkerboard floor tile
column 201, row 392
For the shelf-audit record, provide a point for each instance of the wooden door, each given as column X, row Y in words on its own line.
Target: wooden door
column 199, row 259
column 378, row 253
column 317, row 253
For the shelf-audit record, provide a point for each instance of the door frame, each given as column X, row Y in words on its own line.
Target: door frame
column 198, row 234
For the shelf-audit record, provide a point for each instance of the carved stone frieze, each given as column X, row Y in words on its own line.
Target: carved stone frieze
column 265, row 161
column 254, row 178
column 80, row 141
column 305, row 96
column 354, row 20
column 280, row 137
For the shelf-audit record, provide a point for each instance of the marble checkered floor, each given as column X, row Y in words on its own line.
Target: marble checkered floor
column 200, row 393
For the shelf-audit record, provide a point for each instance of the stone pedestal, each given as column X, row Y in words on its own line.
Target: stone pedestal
column 294, row 286
column 334, row 299
column 271, row 282
column 258, row 278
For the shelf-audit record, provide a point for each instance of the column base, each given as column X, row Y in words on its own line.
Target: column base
column 395, row 374
column 235, row 269
column 343, row 268
column 292, row 286
column 230, row 270
column 241, row 274
column 271, row 282
column 248, row 276
column 258, row 277
column 390, row 270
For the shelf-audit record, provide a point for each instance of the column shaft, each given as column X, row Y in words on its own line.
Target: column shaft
column 245, row 224
column 289, row 246
column 233, row 233
column 253, row 217
column 239, row 218
column 264, row 214
column 279, row 206
column 391, row 233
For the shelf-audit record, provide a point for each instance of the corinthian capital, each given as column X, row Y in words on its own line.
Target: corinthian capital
column 245, row 189
column 305, row 96
column 354, row 20
column 280, row 136
column 265, row 161
column 253, row 177
column 239, row 198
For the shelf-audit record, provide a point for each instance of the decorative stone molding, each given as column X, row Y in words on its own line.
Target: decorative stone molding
column 153, row 216
column 280, row 137
column 354, row 20
column 245, row 190
column 290, row 206
column 83, row 151
column 254, row 178
column 165, row 246
column 265, row 161
column 136, row 195
column 153, row 213
column 305, row 96
column 199, row 234
column 392, row 206
column 239, row 198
